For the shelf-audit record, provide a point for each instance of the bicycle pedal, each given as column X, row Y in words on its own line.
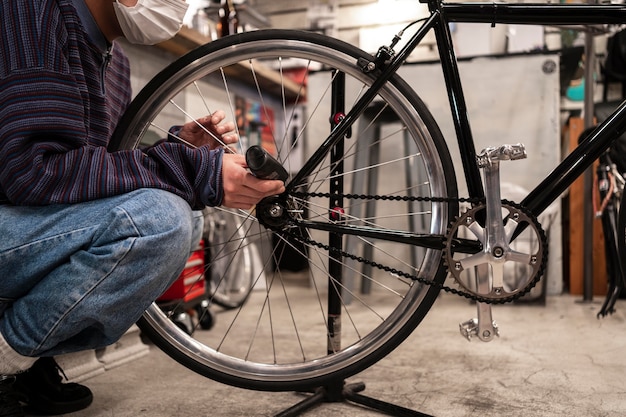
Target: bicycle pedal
column 501, row 153
column 484, row 327
column 470, row 328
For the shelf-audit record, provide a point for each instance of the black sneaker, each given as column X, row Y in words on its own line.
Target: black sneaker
column 45, row 393
column 10, row 405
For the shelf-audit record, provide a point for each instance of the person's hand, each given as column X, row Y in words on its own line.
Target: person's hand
column 205, row 130
column 242, row 190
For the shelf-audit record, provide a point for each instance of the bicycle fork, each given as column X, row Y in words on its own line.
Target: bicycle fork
column 488, row 265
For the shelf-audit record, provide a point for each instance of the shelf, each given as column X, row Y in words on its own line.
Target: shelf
column 184, row 41
column 269, row 80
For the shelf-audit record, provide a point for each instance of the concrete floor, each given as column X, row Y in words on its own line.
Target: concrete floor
column 552, row 360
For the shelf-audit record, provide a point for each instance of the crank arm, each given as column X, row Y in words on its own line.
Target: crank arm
column 483, row 327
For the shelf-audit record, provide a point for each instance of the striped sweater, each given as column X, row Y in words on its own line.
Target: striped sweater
column 61, row 96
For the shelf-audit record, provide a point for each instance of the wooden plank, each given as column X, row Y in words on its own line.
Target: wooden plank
column 269, row 80
column 186, row 40
column 576, row 231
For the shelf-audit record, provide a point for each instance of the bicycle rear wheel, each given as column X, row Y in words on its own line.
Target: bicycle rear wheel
column 279, row 339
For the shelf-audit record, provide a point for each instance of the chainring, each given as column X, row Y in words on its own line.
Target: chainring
column 512, row 271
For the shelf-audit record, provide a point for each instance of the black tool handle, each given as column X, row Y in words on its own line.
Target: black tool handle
column 263, row 165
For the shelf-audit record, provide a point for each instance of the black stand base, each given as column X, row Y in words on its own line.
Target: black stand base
column 342, row 392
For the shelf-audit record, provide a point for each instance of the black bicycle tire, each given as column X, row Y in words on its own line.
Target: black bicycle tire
column 122, row 140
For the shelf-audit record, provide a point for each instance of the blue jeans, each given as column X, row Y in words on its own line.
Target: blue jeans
column 76, row 277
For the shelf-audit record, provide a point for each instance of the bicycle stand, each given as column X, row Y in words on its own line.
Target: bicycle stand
column 342, row 392
column 339, row 391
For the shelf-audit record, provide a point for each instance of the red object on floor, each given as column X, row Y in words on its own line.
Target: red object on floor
column 191, row 282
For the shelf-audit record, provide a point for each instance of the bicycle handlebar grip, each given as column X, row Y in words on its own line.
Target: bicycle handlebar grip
column 263, row 165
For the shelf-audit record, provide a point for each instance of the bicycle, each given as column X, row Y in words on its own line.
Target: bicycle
column 608, row 196
column 220, row 272
column 402, row 243
column 610, row 188
column 231, row 269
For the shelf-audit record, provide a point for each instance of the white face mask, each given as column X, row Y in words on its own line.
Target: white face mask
column 150, row 21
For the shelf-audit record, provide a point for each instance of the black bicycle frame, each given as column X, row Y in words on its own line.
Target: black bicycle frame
column 538, row 14
column 441, row 14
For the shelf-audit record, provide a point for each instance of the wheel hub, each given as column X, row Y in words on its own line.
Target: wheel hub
column 273, row 212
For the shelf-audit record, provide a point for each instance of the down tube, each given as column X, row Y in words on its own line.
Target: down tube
column 575, row 164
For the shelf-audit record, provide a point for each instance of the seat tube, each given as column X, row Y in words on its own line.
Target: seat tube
column 458, row 106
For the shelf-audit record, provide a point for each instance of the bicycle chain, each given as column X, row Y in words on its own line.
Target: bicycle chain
column 403, row 274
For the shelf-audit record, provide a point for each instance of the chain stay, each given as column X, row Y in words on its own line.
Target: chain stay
column 425, row 281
